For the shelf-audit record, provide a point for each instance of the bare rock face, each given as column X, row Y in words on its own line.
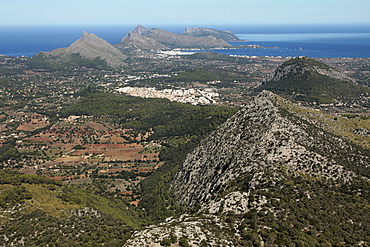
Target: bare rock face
column 260, row 144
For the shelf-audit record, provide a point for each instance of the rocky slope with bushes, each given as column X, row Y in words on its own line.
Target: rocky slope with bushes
column 274, row 174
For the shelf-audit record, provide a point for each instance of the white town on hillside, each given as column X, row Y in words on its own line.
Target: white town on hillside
column 192, row 96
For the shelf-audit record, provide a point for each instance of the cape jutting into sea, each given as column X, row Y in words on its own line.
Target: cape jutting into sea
column 289, row 41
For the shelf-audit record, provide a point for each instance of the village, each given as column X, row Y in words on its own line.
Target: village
column 192, row 96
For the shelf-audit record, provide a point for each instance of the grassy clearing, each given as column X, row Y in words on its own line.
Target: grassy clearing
column 46, row 198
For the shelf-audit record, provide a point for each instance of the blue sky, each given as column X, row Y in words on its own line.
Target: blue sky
column 184, row 12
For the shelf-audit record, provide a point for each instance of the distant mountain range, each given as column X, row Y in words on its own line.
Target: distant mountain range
column 203, row 32
column 92, row 51
column 154, row 38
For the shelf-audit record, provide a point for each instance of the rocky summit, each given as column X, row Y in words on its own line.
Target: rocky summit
column 91, row 46
column 274, row 174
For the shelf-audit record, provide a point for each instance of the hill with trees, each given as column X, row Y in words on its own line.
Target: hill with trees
column 305, row 79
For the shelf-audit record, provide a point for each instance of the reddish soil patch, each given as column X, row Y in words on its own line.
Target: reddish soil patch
column 124, row 155
column 135, row 203
column 2, row 127
column 69, row 159
column 95, row 146
column 82, row 152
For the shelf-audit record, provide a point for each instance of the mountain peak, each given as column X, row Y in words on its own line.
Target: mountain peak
column 91, row 38
column 139, row 29
column 84, row 34
column 90, row 47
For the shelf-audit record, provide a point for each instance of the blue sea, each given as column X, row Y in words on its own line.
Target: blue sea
column 298, row 40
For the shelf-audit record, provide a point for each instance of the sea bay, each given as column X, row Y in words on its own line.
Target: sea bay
column 305, row 44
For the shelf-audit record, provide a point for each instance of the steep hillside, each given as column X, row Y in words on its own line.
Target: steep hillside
column 305, row 79
column 88, row 51
column 274, row 174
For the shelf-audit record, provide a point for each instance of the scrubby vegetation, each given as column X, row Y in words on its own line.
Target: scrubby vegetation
column 305, row 212
column 209, row 75
column 38, row 207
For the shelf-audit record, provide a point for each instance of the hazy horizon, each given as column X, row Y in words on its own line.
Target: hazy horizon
column 191, row 12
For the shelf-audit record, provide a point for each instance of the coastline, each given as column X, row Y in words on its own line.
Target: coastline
column 272, row 41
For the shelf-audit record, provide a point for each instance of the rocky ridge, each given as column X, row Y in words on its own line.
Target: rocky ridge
column 200, row 32
column 267, row 177
column 172, row 40
column 260, row 138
